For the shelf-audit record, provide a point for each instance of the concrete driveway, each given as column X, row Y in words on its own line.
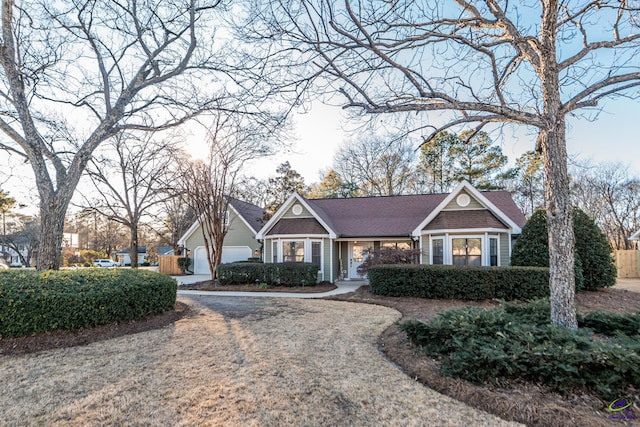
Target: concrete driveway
column 630, row 284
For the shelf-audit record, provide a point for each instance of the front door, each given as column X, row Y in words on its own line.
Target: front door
column 357, row 254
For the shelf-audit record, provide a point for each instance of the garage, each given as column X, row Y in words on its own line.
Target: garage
column 229, row 254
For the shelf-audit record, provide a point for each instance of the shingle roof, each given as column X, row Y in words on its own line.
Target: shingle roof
column 297, row 226
column 464, row 219
column 503, row 201
column 391, row 216
column 396, row 216
column 254, row 215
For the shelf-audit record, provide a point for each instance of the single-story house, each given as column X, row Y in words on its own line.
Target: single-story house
column 123, row 257
column 244, row 221
column 464, row 227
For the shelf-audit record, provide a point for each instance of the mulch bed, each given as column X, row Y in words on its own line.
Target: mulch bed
column 209, row 285
column 61, row 339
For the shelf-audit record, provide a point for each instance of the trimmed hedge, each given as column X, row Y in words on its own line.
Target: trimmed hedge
column 33, row 302
column 517, row 342
column 286, row 274
column 456, row 282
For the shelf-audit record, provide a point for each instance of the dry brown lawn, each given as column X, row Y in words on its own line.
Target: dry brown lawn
column 279, row 362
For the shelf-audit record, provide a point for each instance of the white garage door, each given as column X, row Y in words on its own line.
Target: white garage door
column 200, row 263
column 229, row 254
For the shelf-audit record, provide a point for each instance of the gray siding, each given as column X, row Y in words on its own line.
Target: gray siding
column 474, row 204
column 290, row 214
column 238, row 234
column 505, row 256
column 326, row 267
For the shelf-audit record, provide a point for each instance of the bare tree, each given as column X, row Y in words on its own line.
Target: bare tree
column 527, row 184
column 377, row 166
column 611, row 196
column 481, row 63
column 131, row 177
column 208, row 184
column 174, row 219
column 74, row 74
column 252, row 190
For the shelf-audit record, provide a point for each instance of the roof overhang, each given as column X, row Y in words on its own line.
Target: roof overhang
column 295, row 197
column 465, row 185
column 182, row 240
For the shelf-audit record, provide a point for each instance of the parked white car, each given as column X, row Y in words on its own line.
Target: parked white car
column 104, row 263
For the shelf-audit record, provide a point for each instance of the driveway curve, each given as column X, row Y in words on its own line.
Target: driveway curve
column 234, row 361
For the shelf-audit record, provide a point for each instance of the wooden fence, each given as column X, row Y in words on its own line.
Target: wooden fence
column 627, row 263
column 168, row 264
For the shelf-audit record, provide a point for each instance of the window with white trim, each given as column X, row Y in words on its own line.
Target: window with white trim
column 316, row 254
column 493, row 251
column 437, row 251
column 293, row 251
column 299, row 250
column 274, row 251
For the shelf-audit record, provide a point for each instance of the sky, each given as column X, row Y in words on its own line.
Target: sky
column 613, row 137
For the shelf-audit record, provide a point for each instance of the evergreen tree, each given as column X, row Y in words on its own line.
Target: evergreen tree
column 282, row 186
column 527, row 185
column 447, row 159
column 333, row 186
column 594, row 267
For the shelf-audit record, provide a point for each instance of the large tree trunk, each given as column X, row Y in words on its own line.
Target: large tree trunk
column 133, row 247
column 52, row 214
column 552, row 142
column 560, row 222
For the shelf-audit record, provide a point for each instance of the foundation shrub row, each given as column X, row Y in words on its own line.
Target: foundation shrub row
column 285, row 274
column 455, row 282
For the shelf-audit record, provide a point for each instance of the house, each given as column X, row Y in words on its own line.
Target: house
column 465, row 227
column 15, row 248
column 635, row 236
column 244, row 220
column 124, row 258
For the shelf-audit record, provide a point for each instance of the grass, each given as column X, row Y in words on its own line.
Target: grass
column 279, row 363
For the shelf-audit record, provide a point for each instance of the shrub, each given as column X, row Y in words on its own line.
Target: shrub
column 517, row 342
column 183, row 263
column 32, row 302
column 287, row 273
column 610, row 323
column 456, row 282
column 594, row 267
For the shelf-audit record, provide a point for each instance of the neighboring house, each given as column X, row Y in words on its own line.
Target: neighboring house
column 244, row 221
column 17, row 248
column 636, row 236
column 123, row 258
column 465, row 227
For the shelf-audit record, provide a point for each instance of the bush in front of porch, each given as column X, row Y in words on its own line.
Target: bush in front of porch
column 457, row 282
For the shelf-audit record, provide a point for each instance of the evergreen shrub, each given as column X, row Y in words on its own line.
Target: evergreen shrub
column 286, row 273
column 518, row 342
column 32, row 302
column 456, row 282
column 594, row 265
